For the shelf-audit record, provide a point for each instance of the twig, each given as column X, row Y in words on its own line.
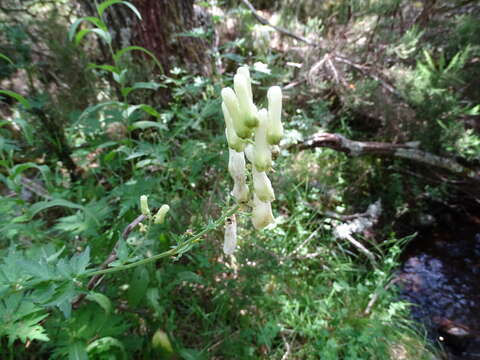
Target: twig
column 288, row 348
column 360, row 247
column 406, row 151
column 299, row 247
column 375, row 296
column 281, row 30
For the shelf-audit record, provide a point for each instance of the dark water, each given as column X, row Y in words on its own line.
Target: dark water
column 440, row 276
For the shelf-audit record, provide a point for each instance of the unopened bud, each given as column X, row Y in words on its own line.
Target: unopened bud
column 234, row 142
column 144, row 205
column 231, row 102
column 262, row 186
column 245, row 72
column 262, row 154
column 247, row 108
column 275, row 127
column 261, row 213
column 161, row 342
column 159, row 217
column 230, row 236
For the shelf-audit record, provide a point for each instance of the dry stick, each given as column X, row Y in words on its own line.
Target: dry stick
column 281, row 30
column 375, row 296
column 97, row 279
column 360, row 248
column 358, row 148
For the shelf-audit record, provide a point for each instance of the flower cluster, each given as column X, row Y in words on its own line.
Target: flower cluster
column 252, row 133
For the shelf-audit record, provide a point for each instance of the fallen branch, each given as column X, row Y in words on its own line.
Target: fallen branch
column 281, row 30
column 405, row 151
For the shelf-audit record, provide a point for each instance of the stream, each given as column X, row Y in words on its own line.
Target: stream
column 440, row 276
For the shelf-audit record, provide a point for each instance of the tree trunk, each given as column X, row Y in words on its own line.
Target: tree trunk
column 159, row 31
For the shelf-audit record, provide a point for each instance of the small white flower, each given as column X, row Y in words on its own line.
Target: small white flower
column 262, row 154
column 261, row 213
column 262, row 186
column 243, row 91
column 237, row 170
column 230, row 235
column 234, row 142
column 233, row 106
column 275, row 127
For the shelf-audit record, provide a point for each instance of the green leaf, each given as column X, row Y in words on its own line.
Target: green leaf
column 138, row 285
column 92, row 109
column 106, row 345
column 17, row 97
column 6, row 58
column 93, row 20
column 101, row 300
column 146, row 108
column 104, row 35
column 151, row 85
column 43, row 205
column 103, row 6
column 123, row 51
column 110, row 68
column 18, row 169
column 77, row 351
column 20, row 319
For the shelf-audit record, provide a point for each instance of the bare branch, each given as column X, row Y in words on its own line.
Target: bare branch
column 406, row 151
column 281, row 30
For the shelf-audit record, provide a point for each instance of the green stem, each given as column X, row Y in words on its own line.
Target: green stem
column 177, row 250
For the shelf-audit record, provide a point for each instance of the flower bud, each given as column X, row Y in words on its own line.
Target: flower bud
column 245, row 72
column 161, row 342
column 230, row 236
column 262, row 186
column 144, row 205
column 247, row 108
column 231, row 102
column 234, row 142
column 275, row 127
column 159, row 217
column 262, row 155
column 261, row 213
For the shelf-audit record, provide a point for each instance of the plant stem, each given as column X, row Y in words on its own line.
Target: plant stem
column 177, row 250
